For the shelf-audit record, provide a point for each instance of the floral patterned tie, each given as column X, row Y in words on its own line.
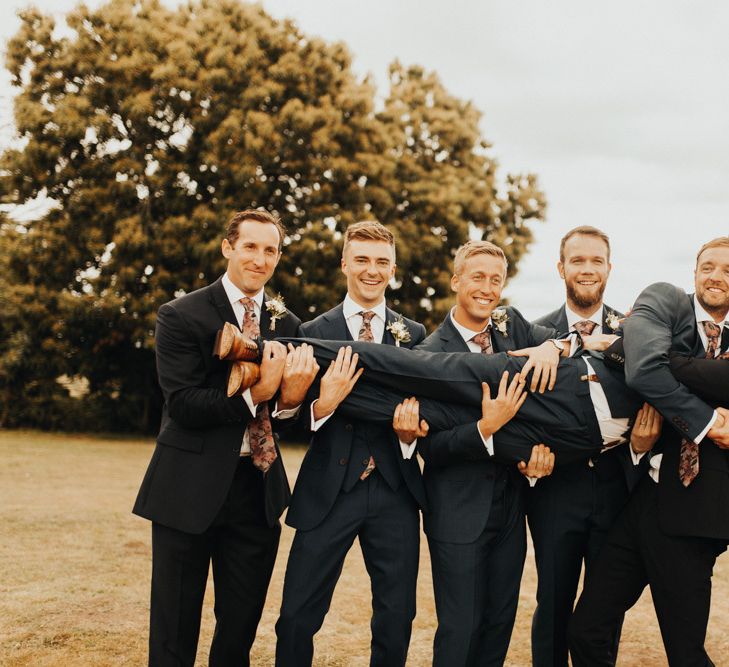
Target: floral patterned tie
column 260, row 433
column 366, row 335
column 585, row 327
column 483, row 340
column 688, row 465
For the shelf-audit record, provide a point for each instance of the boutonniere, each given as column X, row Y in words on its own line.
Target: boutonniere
column 277, row 309
column 500, row 318
column 613, row 321
column 399, row 331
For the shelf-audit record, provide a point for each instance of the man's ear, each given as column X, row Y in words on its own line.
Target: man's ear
column 226, row 248
column 560, row 269
column 454, row 283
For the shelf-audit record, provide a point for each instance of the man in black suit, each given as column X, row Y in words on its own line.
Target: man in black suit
column 355, row 481
column 675, row 523
column 216, row 486
column 475, row 518
column 571, row 512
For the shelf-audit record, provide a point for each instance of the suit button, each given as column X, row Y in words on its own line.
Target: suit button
column 348, row 427
column 365, row 462
column 342, row 462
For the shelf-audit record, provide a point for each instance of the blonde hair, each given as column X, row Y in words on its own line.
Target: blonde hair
column 368, row 230
column 719, row 242
column 472, row 248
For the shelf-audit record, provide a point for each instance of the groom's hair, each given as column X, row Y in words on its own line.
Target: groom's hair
column 585, row 230
column 368, row 230
column 718, row 242
column 472, row 248
column 232, row 231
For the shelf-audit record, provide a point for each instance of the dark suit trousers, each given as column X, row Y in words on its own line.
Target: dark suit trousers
column 242, row 547
column 387, row 523
column 476, row 585
column 638, row 553
column 570, row 514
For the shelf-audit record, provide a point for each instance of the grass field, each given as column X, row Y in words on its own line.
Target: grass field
column 75, row 567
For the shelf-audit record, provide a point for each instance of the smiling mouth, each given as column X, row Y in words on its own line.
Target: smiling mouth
column 483, row 302
column 371, row 283
column 588, row 283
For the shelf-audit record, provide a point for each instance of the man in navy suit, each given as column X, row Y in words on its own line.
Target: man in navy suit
column 475, row 517
column 355, row 480
column 675, row 523
column 216, row 486
column 570, row 513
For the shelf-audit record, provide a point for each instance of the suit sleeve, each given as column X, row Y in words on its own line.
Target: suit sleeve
column 182, row 374
column 707, row 378
column 647, row 344
column 462, row 443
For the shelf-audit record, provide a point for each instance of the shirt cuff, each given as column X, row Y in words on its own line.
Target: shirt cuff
column 636, row 457
column 703, row 433
column 316, row 424
column 408, row 450
column 249, row 402
column 532, row 481
column 285, row 414
column 487, row 442
column 572, row 340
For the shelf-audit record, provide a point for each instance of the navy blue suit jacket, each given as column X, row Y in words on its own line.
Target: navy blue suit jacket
column 459, row 473
column 323, row 469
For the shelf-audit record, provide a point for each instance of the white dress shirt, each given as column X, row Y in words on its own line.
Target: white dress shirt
column 701, row 316
column 351, row 311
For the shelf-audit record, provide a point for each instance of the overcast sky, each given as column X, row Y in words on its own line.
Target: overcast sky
column 621, row 108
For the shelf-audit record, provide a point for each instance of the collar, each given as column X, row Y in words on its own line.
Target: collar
column 703, row 316
column 466, row 333
column 350, row 307
column 573, row 318
column 234, row 294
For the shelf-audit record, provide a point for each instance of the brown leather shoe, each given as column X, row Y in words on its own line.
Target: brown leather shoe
column 231, row 344
column 243, row 375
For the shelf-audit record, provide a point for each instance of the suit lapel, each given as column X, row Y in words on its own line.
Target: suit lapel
column 219, row 299
column 265, row 320
column 390, row 317
column 451, row 340
column 501, row 342
column 337, row 328
column 725, row 340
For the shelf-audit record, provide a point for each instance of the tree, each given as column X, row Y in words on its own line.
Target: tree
column 148, row 126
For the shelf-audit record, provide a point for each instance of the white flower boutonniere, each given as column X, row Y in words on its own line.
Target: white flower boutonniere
column 277, row 309
column 399, row 331
column 613, row 321
column 500, row 318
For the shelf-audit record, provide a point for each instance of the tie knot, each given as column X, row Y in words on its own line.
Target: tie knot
column 367, row 316
column 585, row 327
column 712, row 329
column 248, row 304
column 483, row 340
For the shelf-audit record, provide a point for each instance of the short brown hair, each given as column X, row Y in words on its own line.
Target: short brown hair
column 257, row 215
column 471, row 248
column 718, row 242
column 586, row 230
column 368, row 230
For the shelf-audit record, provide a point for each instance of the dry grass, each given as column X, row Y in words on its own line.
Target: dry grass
column 75, row 567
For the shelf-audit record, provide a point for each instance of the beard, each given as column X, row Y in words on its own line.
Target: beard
column 585, row 298
column 717, row 308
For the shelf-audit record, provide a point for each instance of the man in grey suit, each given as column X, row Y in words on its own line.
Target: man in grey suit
column 675, row 524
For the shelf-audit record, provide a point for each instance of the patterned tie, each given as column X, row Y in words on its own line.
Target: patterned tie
column 483, row 340
column 366, row 335
column 260, row 433
column 688, row 465
column 585, row 327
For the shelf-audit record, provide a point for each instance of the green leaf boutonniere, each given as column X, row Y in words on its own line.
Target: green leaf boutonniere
column 277, row 309
column 500, row 318
column 399, row 331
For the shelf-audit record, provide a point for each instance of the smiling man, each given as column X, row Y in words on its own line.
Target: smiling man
column 676, row 522
column 355, row 481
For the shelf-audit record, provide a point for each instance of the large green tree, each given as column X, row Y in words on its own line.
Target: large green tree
column 146, row 127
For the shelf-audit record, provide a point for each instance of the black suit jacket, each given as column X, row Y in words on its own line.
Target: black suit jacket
column 663, row 320
column 323, row 469
column 459, row 474
column 614, row 386
column 198, row 446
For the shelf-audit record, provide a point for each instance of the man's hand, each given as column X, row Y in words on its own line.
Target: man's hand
column 407, row 423
column 272, row 368
column 337, row 382
column 496, row 412
column 646, row 430
column 719, row 432
column 598, row 342
column 544, row 359
column 541, row 463
column 299, row 372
